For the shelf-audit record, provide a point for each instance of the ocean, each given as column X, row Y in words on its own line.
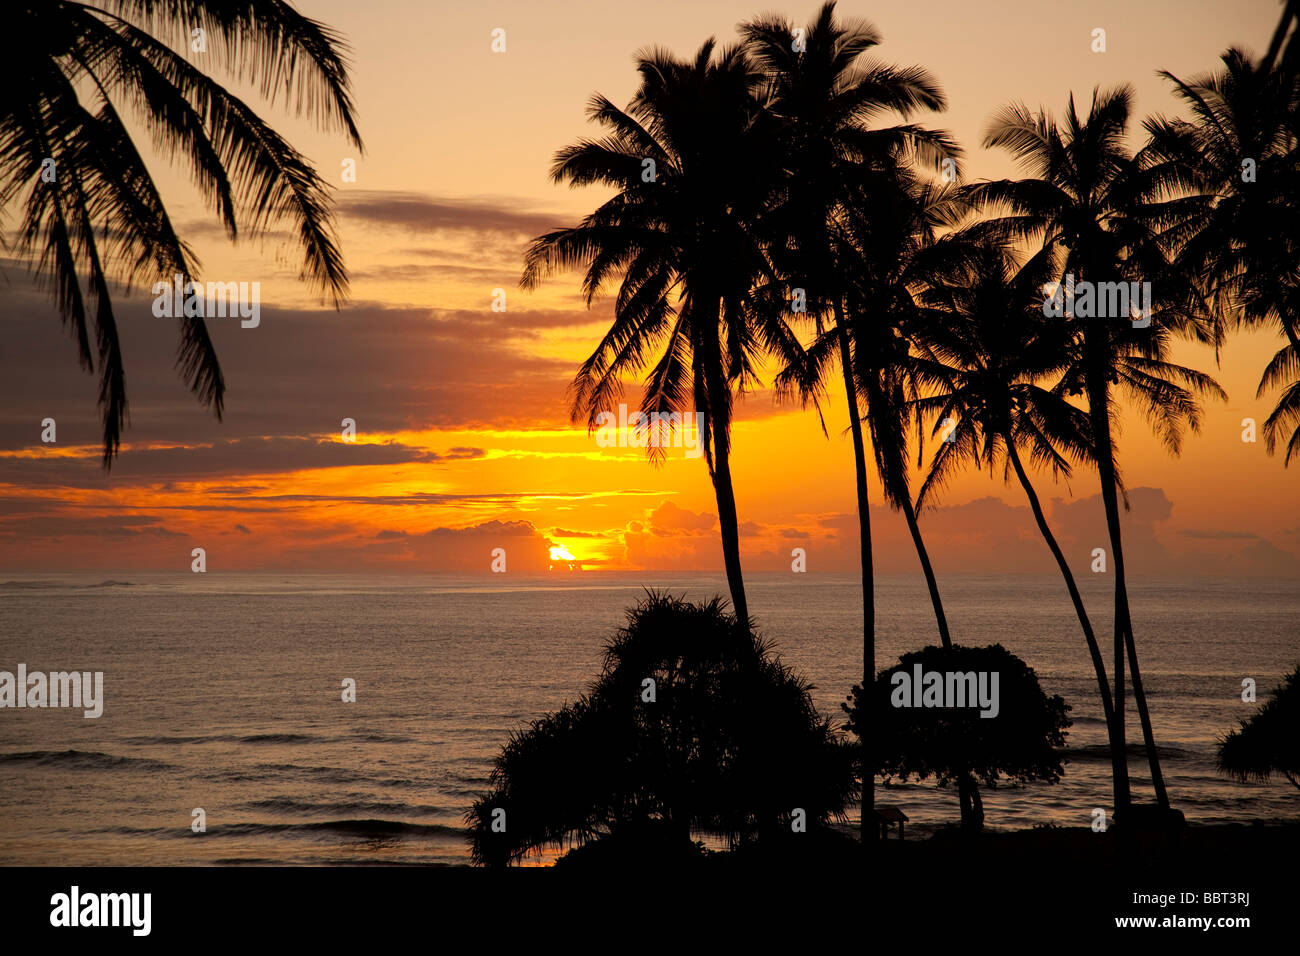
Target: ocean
column 223, row 692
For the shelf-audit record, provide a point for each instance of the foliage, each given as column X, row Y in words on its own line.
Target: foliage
column 1268, row 741
column 731, row 744
column 946, row 742
column 72, row 78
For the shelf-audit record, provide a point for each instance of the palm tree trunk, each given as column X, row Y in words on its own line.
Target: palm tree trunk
column 968, row 793
column 869, row 830
column 910, row 513
column 729, row 525
column 1118, row 754
column 1123, row 618
column 719, row 395
column 1099, row 410
column 1148, row 736
column 968, row 788
column 1291, row 336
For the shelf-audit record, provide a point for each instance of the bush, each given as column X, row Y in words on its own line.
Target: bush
column 730, row 744
column 1269, row 741
column 955, row 744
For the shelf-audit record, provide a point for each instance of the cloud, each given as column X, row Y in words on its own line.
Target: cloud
column 53, row 526
column 419, row 212
column 240, row 456
column 298, row 374
column 1263, row 559
column 671, row 520
column 470, row 549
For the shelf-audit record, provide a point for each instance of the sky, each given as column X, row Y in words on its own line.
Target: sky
column 463, row 441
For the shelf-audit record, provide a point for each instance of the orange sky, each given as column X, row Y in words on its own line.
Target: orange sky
column 463, row 439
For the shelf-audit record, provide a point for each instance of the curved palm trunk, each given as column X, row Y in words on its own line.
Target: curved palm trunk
column 720, row 471
column 1148, row 736
column 1099, row 412
column 1291, row 336
column 968, row 791
column 930, row 582
column 729, row 525
column 869, row 831
column 1118, row 755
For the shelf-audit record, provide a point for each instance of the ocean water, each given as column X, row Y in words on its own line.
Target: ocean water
column 223, row 692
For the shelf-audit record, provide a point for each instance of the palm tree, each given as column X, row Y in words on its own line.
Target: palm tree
column 824, row 98
column 1240, row 150
column 1108, row 213
column 1283, row 51
column 892, row 252
column 691, row 162
column 986, row 351
column 74, row 72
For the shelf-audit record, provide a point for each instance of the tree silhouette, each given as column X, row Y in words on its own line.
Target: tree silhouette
column 825, row 97
column 692, row 726
column 74, row 72
column 1238, row 159
column 949, row 742
column 1268, row 741
column 989, row 352
column 1107, row 215
column 693, row 163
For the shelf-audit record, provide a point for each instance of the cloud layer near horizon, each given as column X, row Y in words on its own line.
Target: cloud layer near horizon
column 464, row 444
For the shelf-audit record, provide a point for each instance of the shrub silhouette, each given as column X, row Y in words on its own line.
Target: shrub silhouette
column 951, row 742
column 730, row 745
column 1269, row 741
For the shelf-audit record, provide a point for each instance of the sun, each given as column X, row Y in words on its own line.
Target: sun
column 562, row 559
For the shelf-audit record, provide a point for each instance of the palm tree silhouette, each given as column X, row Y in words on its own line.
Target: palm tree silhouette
column 692, row 160
column 73, row 69
column 1105, row 211
column 1283, row 50
column 824, row 98
column 986, row 351
column 1238, row 156
column 893, row 251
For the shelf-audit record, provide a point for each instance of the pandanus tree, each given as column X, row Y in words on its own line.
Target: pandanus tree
column 825, row 99
column 692, row 163
column 990, row 360
column 694, row 725
column 1269, row 741
column 1114, row 218
column 1240, row 150
column 74, row 75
